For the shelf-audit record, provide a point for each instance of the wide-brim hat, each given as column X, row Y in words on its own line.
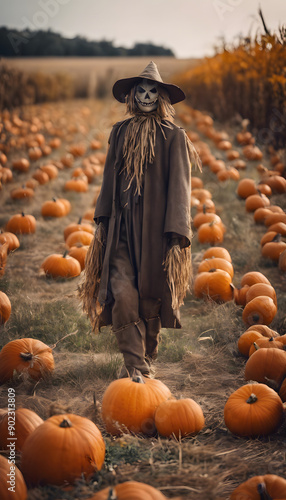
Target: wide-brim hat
column 123, row 86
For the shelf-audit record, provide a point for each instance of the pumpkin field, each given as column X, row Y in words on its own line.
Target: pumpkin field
column 225, row 369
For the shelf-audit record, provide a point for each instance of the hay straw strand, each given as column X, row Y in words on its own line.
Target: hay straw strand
column 178, row 266
column 89, row 288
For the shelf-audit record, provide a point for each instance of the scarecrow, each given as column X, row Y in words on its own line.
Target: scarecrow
column 138, row 266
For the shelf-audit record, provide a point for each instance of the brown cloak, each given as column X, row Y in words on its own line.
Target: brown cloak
column 166, row 210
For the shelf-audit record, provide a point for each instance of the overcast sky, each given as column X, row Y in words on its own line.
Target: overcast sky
column 189, row 27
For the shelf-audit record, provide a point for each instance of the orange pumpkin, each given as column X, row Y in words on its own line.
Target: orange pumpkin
column 21, row 224
column 25, row 422
column 276, row 182
column 5, row 308
column 129, row 490
column 51, row 170
column 79, row 253
column 205, row 217
column 266, row 365
column 206, row 206
column 261, row 310
column 40, row 176
column 53, row 208
column 265, row 343
column 270, row 236
column 79, row 238
column 261, row 289
column 282, row 391
column 34, row 153
column 216, row 263
column 21, row 164
column 246, row 340
column 273, row 249
column 279, row 227
column 129, row 404
column 264, row 330
column 227, row 174
column 4, row 247
column 79, row 226
column 239, row 295
column 180, row 418
column 75, row 443
column 212, row 233
column 252, row 153
column 217, row 166
column 253, row 277
column 274, row 217
column 215, row 284
column 61, row 266
column 28, row 356
column 253, row 410
column 282, row 261
column 261, row 487
column 76, row 184
column 260, row 214
column 255, row 201
column 22, row 193
column 232, row 155
column 217, row 252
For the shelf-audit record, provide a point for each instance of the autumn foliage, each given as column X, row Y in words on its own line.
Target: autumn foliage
column 247, row 79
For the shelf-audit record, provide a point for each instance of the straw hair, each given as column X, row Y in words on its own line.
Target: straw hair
column 89, row 288
column 140, row 136
column 178, row 267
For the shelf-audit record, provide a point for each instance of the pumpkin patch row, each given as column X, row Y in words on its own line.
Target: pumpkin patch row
column 78, row 236
column 273, row 243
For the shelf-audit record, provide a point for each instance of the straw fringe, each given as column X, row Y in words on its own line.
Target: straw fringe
column 178, row 266
column 140, row 136
column 89, row 288
column 193, row 154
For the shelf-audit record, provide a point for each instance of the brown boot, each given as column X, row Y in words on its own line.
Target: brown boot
column 149, row 311
column 131, row 342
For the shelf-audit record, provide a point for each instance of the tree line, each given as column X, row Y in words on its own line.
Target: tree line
column 15, row 43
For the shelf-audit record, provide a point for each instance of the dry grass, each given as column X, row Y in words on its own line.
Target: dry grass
column 200, row 361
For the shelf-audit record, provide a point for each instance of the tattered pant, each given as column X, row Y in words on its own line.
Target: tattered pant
column 135, row 321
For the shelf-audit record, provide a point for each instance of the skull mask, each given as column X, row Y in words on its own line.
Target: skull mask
column 146, row 95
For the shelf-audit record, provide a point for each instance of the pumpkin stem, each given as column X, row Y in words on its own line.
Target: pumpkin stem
column 212, row 270
column 112, row 494
column 23, row 215
column 79, row 220
column 277, row 237
column 54, row 198
column 255, row 318
column 252, row 399
column 65, row 253
column 261, row 489
column 256, row 346
column 26, row 356
column 138, row 379
column 66, row 423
